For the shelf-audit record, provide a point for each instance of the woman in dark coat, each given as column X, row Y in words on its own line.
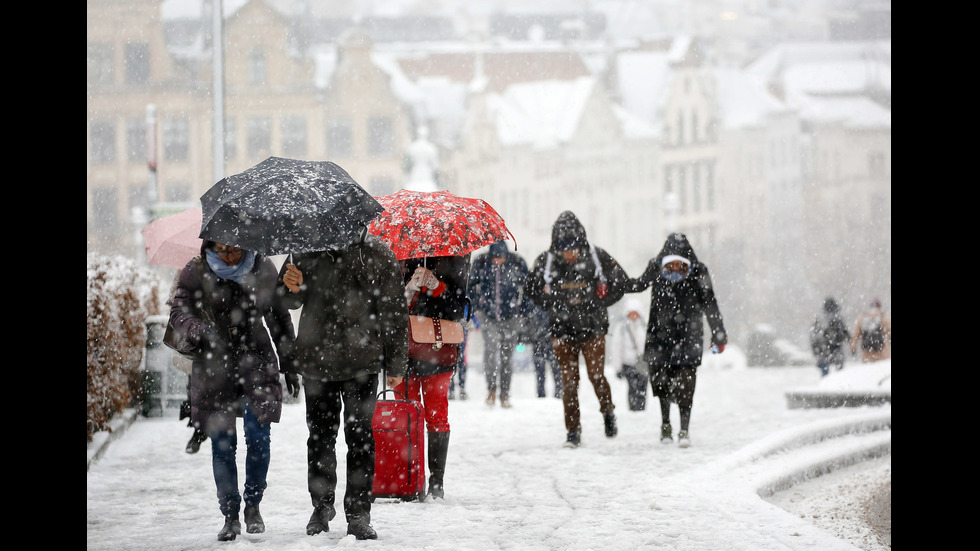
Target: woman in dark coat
column 681, row 295
column 828, row 335
column 434, row 287
column 221, row 300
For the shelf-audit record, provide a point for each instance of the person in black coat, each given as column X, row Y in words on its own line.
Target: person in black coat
column 434, row 287
column 828, row 335
column 225, row 302
column 576, row 282
column 681, row 297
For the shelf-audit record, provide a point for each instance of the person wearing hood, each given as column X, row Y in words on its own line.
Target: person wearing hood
column 352, row 326
column 828, row 334
column 496, row 291
column 576, row 282
column 628, row 338
column 873, row 334
column 225, row 303
column 681, row 296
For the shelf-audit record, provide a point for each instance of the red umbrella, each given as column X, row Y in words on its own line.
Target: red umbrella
column 173, row 240
column 417, row 224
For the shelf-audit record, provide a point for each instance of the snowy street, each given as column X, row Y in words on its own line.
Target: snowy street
column 511, row 485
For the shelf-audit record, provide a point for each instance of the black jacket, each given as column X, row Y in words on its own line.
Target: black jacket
column 482, row 286
column 570, row 292
column 675, row 327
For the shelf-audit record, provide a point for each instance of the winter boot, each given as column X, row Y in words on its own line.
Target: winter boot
column 232, row 528
column 462, row 393
column 194, row 444
column 610, row 422
column 438, row 450
column 361, row 529
column 683, row 440
column 491, row 398
column 665, row 436
column 574, row 440
column 253, row 520
column 322, row 514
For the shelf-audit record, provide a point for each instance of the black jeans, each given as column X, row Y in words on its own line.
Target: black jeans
column 324, row 400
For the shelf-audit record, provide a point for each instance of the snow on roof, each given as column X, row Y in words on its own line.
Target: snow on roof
column 853, row 112
column 836, row 77
column 743, row 100
column 644, row 80
column 543, row 114
column 678, row 49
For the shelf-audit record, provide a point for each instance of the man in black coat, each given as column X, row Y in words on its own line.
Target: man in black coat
column 680, row 298
column 576, row 282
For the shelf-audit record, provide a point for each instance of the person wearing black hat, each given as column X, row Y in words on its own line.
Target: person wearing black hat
column 576, row 282
column 681, row 296
column 828, row 334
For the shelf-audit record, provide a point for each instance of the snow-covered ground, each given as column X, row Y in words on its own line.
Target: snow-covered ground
column 759, row 475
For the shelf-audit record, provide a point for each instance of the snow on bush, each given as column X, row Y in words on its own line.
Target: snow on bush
column 121, row 294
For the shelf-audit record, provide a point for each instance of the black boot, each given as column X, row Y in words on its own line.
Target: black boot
column 253, row 520
column 322, row 514
column 194, row 444
column 231, row 528
column 609, row 420
column 438, row 450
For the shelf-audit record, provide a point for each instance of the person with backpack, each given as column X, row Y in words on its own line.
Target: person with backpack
column 827, row 337
column 873, row 332
column 576, row 282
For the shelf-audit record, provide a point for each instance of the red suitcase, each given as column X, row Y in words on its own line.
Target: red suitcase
column 399, row 449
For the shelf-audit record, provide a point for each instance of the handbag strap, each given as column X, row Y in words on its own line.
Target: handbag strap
column 437, row 329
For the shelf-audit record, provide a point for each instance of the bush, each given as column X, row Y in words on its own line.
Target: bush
column 121, row 294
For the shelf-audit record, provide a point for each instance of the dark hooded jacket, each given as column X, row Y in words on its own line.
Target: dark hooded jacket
column 243, row 363
column 675, row 327
column 354, row 319
column 482, row 287
column 829, row 334
column 451, row 304
column 570, row 292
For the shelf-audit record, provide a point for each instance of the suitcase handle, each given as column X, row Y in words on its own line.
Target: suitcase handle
column 382, row 393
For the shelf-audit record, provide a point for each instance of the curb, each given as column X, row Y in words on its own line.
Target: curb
column 100, row 440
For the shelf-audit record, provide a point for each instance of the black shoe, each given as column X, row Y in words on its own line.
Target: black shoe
column 194, row 444
column 231, row 529
column 574, row 440
column 361, row 530
column 610, row 421
column 665, row 436
column 253, row 520
column 322, row 514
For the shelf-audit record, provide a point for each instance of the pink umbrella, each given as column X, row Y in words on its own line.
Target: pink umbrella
column 173, row 240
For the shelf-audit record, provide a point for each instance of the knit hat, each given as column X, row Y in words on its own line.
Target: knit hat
column 667, row 259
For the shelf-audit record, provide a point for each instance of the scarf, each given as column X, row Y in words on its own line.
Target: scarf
column 235, row 273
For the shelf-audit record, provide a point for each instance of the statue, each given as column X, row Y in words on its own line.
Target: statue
column 422, row 163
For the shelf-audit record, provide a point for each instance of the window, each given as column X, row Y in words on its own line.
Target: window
column 680, row 128
column 256, row 66
column 176, row 138
column 339, row 138
column 100, row 71
column 231, row 144
column 681, row 189
column 668, row 179
column 696, row 187
column 709, row 186
column 294, row 136
column 137, row 63
column 136, row 140
column 380, row 136
column 259, row 137
column 104, row 209
column 103, row 138
column 695, row 131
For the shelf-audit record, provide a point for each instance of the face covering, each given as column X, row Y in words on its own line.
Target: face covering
column 672, row 277
column 235, row 273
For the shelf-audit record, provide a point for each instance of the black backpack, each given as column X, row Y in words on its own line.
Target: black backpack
column 872, row 335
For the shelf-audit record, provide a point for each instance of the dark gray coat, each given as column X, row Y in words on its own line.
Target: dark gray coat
column 354, row 318
column 244, row 363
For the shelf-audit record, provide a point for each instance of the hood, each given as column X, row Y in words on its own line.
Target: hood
column 830, row 306
column 498, row 248
column 567, row 233
column 677, row 244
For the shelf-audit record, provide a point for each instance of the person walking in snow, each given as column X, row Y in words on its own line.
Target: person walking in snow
column 496, row 289
column 873, row 333
column 542, row 353
column 628, row 339
column 225, row 302
column 576, row 282
column 353, row 323
column 828, row 335
column 434, row 287
column 681, row 296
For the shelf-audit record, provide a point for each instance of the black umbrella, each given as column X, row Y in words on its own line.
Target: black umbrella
column 282, row 206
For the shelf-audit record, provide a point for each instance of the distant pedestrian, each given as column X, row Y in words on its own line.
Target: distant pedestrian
column 873, row 334
column 537, row 334
column 459, row 376
column 681, row 296
column 628, row 339
column 226, row 301
column 828, row 335
column 496, row 292
column 576, row 282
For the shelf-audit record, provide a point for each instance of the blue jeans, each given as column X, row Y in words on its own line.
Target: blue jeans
column 223, row 447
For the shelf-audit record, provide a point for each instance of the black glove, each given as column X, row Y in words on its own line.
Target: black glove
column 292, row 384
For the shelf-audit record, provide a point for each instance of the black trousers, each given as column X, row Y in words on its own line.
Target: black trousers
column 326, row 401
